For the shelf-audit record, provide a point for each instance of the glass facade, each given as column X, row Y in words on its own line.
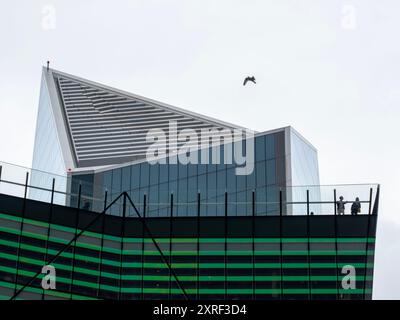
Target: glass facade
column 304, row 160
column 184, row 182
column 304, row 175
column 211, row 181
column 282, row 158
column 48, row 162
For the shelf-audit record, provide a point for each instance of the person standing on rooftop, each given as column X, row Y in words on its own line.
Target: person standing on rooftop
column 356, row 207
column 340, row 205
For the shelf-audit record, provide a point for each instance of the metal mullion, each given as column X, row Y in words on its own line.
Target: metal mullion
column 75, row 237
column 20, row 233
column 122, row 245
column 170, row 245
column 308, row 245
column 226, row 247
column 102, row 244
column 48, row 229
column 336, row 249
column 280, row 241
column 366, row 246
column 253, row 245
column 143, row 239
column 198, row 247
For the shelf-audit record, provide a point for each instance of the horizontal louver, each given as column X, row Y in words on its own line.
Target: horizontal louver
column 107, row 127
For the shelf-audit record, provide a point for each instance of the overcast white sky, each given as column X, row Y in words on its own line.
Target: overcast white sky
column 330, row 69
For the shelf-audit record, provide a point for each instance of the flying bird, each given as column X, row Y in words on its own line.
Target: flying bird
column 252, row 79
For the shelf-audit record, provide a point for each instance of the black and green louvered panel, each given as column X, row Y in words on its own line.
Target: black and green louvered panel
column 292, row 257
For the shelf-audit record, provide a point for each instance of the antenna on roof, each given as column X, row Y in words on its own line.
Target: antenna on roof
column 48, row 65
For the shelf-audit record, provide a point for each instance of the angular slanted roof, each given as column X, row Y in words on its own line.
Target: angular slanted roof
column 108, row 126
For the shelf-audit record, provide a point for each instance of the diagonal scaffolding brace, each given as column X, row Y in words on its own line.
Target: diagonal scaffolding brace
column 69, row 244
column 165, row 260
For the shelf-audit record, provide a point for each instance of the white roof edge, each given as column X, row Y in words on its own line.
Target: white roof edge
column 149, row 101
column 270, row 131
column 289, row 128
column 302, row 138
column 61, row 126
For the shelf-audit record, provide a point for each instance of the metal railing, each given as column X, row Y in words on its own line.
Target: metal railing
column 263, row 200
column 290, row 200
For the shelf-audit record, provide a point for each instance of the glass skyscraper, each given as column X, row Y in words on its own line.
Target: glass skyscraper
column 96, row 137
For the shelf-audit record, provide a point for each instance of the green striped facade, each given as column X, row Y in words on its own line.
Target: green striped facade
column 103, row 265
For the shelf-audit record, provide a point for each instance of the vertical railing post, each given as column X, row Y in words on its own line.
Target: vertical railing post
column 122, row 235
column 280, row 241
column 26, row 185
column 253, row 203
column 376, row 202
column 336, row 245
column 79, row 196
column 105, row 199
column 308, row 245
column 253, row 245
column 74, row 242
column 367, row 245
column 52, row 190
column 21, row 228
column 226, row 247
column 143, row 242
column 50, row 216
column 366, row 257
column 370, row 201
column 334, row 201
column 103, row 223
column 1, row 171
column 170, row 244
column 198, row 247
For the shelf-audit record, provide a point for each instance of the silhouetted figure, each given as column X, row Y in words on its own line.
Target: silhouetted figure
column 340, row 205
column 252, row 79
column 86, row 205
column 356, row 207
column 48, row 65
